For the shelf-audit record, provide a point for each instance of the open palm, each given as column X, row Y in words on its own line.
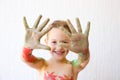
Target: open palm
column 34, row 34
column 79, row 40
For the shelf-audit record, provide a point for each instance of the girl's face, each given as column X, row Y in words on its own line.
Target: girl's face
column 59, row 42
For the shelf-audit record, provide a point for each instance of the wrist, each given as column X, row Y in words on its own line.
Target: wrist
column 29, row 46
column 85, row 51
column 27, row 54
column 27, row 50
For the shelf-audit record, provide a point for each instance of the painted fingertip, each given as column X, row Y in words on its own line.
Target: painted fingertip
column 67, row 20
column 24, row 18
column 77, row 18
column 40, row 15
column 48, row 19
column 88, row 22
column 47, row 48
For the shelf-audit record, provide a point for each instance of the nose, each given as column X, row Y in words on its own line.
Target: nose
column 59, row 46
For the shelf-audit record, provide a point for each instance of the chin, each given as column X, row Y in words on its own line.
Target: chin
column 59, row 55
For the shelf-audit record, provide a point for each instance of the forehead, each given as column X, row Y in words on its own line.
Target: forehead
column 57, row 33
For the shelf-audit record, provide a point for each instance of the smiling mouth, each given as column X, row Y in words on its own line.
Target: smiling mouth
column 59, row 52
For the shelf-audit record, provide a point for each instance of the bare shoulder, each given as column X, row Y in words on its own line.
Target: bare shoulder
column 69, row 64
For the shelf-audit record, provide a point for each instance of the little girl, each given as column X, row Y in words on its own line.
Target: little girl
column 61, row 37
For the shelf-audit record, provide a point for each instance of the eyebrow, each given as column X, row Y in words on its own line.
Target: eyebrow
column 60, row 40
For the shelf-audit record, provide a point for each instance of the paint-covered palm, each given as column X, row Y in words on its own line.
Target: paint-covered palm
column 79, row 40
column 34, row 34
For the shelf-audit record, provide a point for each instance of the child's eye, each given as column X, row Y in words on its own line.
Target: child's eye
column 65, row 42
column 54, row 42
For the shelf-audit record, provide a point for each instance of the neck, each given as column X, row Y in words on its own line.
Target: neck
column 59, row 61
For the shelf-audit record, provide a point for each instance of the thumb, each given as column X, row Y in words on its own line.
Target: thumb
column 42, row 46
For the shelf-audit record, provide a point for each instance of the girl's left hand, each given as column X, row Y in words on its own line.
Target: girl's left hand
column 79, row 40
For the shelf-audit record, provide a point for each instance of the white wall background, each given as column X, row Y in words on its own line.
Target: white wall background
column 104, row 35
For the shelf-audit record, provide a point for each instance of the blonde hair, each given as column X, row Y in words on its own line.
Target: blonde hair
column 60, row 23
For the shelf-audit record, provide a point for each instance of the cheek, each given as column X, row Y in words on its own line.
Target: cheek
column 67, row 50
column 66, row 45
column 51, row 46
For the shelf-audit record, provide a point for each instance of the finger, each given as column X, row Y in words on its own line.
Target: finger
column 71, row 26
column 43, row 24
column 42, row 46
column 37, row 22
column 65, row 31
column 25, row 23
column 78, row 25
column 45, row 31
column 88, row 29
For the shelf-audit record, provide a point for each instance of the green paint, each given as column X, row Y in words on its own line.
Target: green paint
column 76, row 63
column 80, row 54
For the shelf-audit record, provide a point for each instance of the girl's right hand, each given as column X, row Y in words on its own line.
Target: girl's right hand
column 34, row 34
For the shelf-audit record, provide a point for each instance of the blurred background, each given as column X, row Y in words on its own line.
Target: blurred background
column 104, row 35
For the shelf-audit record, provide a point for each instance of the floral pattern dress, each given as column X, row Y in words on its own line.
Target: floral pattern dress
column 52, row 76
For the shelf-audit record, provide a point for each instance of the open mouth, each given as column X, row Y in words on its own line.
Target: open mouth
column 59, row 52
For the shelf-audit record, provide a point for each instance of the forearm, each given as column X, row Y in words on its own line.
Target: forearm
column 84, row 55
